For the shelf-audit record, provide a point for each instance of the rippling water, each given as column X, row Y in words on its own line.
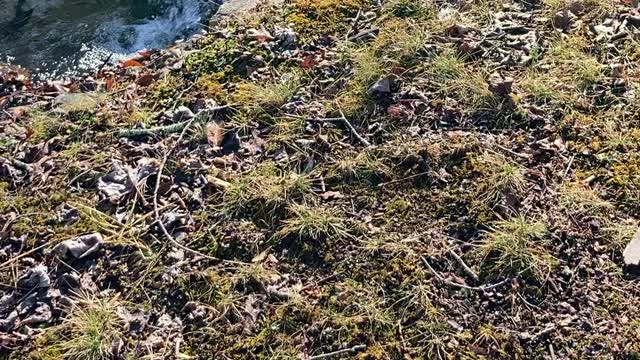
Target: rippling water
column 59, row 37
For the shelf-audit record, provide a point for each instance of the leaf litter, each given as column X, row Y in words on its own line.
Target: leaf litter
column 394, row 179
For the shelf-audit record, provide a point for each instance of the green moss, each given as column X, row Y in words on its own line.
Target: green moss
column 165, row 92
column 214, row 58
column 316, row 17
column 45, row 126
column 210, row 86
column 397, row 207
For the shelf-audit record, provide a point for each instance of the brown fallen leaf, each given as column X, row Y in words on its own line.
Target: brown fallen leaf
column 130, row 63
column 215, row 133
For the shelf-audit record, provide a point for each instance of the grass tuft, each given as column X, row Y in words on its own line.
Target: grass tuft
column 515, row 247
column 88, row 331
column 578, row 199
column 309, row 223
column 269, row 95
column 265, row 192
column 502, row 177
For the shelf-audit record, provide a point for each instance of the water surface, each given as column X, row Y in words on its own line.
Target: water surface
column 59, row 37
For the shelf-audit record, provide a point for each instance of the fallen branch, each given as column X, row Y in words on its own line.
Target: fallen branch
column 346, row 122
column 523, row 156
column 482, row 288
column 339, row 352
column 202, row 116
column 157, row 130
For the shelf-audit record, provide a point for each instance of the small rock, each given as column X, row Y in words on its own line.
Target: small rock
column 632, row 253
column 383, row 86
column 183, row 113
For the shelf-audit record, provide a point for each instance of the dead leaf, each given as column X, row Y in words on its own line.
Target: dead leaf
column 146, row 54
column 260, row 35
column 309, row 62
column 215, row 133
column 130, row 63
column 260, row 257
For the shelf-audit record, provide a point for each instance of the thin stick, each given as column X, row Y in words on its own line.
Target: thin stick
column 464, row 265
column 353, row 131
column 403, row 179
column 482, row 288
column 104, row 63
column 339, row 352
column 156, row 208
column 320, row 282
column 566, row 172
column 524, row 156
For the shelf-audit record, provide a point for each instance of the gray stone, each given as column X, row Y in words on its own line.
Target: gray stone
column 383, row 86
column 240, row 7
column 183, row 113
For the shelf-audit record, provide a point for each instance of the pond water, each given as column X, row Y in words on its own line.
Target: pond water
column 54, row 38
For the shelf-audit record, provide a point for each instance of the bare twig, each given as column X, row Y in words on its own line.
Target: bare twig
column 464, row 265
column 320, row 282
column 566, row 172
column 523, row 156
column 26, row 253
column 104, row 63
column 403, row 179
column 353, row 131
column 339, row 352
column 481, row 288
column 346, row 122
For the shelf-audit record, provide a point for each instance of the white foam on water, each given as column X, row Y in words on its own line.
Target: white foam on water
column 119, row 36
column 181, row 18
